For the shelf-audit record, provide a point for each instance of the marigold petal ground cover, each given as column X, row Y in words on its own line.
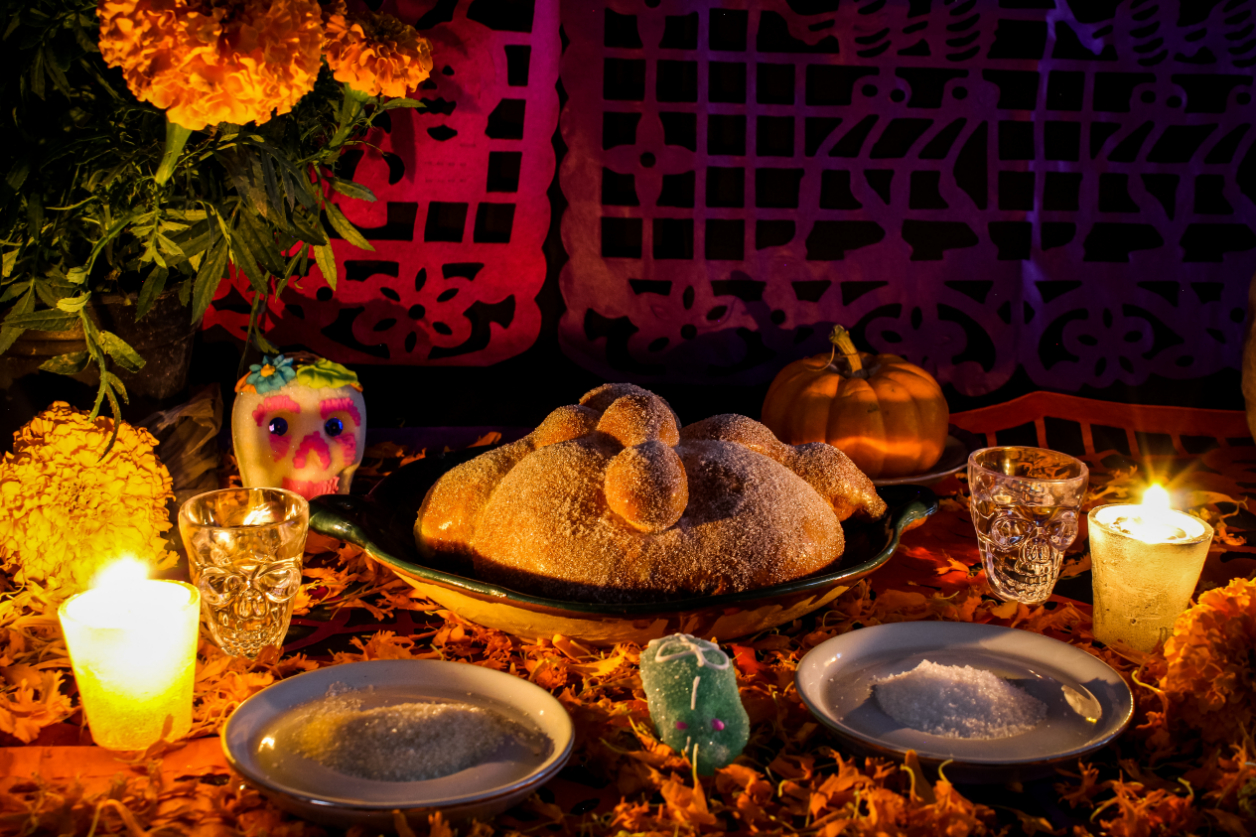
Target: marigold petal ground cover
column 792, row 779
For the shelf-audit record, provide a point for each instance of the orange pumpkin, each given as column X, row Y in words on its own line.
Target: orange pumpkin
column 886, row 414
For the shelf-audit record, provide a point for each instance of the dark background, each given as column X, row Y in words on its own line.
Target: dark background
column 524, row 389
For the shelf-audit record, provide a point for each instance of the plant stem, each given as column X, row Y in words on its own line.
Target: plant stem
column 350, row 109
column 259, row 302
column 176, row 139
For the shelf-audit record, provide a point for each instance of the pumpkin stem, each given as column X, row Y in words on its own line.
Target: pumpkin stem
column 840, row 338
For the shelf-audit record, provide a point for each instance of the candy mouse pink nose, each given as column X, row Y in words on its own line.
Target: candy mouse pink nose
column 313, row 444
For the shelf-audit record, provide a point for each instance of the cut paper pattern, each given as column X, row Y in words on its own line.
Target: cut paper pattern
column 462, row 209
column 1067, row 186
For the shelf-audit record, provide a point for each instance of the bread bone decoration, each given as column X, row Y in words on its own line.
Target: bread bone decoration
column 610, row 501
column 299, row 422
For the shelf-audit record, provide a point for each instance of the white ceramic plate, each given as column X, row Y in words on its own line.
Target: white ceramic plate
column 253, row 736
column 1088, row 704
column 954, row 458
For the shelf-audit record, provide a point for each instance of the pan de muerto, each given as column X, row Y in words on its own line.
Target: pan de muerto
column 611, row 501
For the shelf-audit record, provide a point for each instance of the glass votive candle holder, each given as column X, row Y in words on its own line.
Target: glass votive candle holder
column 1143, row 571
column 133, row 651
column 245, row 548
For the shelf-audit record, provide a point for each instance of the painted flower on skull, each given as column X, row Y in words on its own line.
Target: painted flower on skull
column 271, row 373
column 299, row 422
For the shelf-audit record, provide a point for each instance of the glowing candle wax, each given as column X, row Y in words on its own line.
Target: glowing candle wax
column 1145, row 562
column 132, row 645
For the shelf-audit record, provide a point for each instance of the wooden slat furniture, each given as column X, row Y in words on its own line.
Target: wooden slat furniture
column 1102, row 424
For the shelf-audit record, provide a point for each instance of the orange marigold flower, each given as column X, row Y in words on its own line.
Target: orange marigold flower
column 1209, row 680
column 210, row 61
column 374, row 53
column 64, row 513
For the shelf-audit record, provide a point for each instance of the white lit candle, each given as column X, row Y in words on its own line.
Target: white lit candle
column 1145, row 563
column 132, row 644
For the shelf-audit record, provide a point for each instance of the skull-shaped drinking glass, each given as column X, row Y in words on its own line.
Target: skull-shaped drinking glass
column 1024, row 505
column 244, row 550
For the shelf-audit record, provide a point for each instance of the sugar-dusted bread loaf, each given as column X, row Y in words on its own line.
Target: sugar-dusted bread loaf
column 610, row 500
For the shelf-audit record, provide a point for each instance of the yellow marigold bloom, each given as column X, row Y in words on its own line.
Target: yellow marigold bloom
column 1210, row 681
column 210, row 61
column 64, row 513
column 374, row 53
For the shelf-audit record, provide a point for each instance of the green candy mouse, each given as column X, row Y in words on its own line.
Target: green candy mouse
column 691, row 689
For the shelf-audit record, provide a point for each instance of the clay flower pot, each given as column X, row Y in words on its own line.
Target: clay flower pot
column 163, row 338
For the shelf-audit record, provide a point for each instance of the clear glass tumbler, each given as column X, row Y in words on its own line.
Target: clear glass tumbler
column 245, row 548
column 1025, row 504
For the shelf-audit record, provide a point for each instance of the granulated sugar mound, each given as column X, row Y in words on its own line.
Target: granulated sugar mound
column 958, row 702
column 407, row 742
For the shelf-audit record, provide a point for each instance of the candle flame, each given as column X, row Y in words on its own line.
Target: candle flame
column 1156, row 498
column 125, row 572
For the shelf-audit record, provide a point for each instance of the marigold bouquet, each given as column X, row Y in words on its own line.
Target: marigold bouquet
column 1209, row 680
column 65, row 512
column 153, row 141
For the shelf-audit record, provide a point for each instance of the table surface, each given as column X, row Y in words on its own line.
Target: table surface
column 793, row 767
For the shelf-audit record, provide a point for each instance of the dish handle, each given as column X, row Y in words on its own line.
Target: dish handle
column 909, row 504
column 348, row 517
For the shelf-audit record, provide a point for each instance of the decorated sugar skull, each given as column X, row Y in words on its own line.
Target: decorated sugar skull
column 299, row 423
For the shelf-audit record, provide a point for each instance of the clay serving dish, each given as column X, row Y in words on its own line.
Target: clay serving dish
column 382, row 524
column 1087, row 704
column 256, row 746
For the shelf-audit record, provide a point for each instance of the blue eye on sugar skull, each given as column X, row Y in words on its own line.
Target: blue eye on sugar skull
column 278, row 426
column 334, row 427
